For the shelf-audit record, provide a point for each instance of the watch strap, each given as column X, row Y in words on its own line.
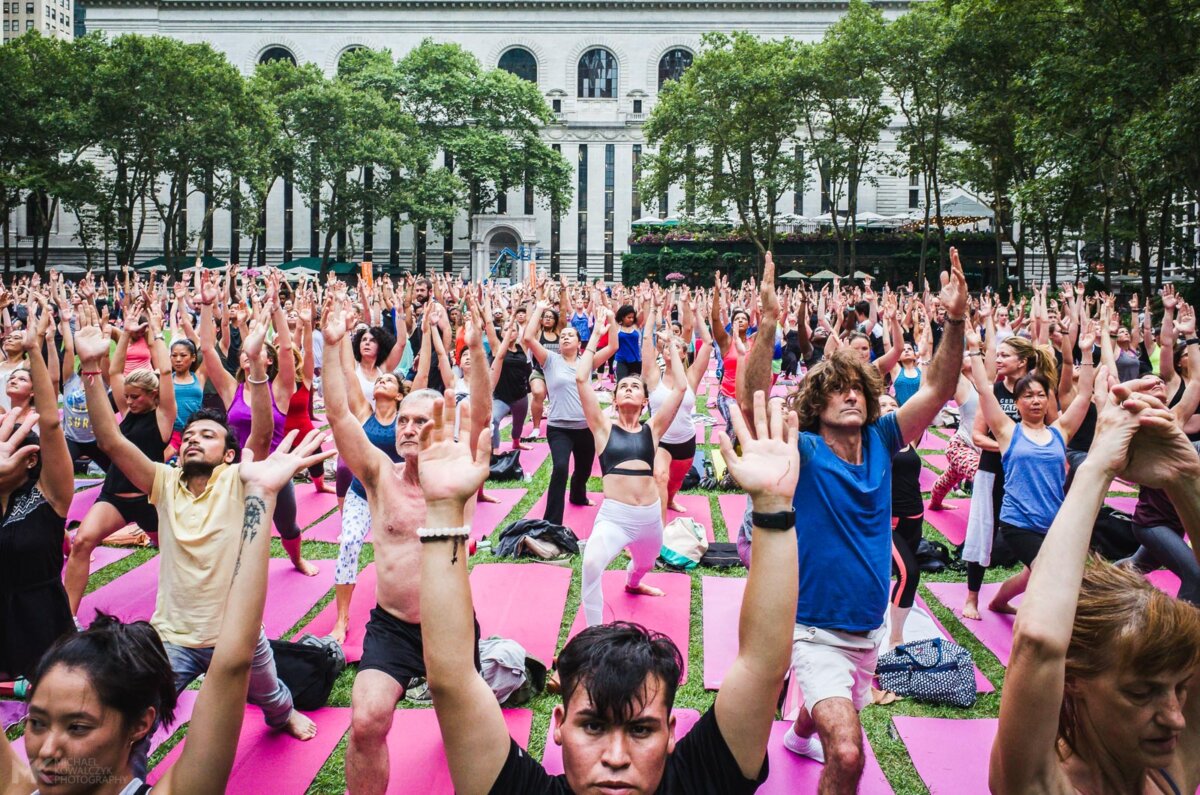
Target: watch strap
column 780, row 520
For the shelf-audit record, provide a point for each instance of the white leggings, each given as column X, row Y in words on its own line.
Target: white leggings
column 619, row 526
column 356, row 523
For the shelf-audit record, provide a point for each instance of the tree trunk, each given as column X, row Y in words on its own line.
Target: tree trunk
column 1164, row 240
column 1143, row 234
column 1105, row 225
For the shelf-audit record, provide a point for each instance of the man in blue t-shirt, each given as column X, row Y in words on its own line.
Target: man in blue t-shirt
column 844, row 541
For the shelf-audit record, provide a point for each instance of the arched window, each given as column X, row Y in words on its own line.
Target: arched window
column 672, row 65
column 598, row 75
column 520, row 62
column 277, row 54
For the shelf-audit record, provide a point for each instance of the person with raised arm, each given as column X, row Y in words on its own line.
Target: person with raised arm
column 1097, row 697
column 96, row 696
column 615, row 724
column 392, row 641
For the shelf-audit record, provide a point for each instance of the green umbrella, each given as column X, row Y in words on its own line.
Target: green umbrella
column 792, row 276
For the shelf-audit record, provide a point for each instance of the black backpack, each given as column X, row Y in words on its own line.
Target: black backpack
column 1112, row 535
column 309, row 668
column 506, row 466
column 721, row 555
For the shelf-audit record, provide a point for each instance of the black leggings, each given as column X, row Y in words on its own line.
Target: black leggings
column 285, row 512
column 90, row 450
column 628, row 368
column 906, row 537
column 565, row 442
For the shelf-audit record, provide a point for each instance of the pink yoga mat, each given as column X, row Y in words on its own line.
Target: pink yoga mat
column 722, row 600
column 579, row 518
column 533, row 458
column 183, row 714
column 360, row 610
column 528, row 427
column 12, row 713
column 963, row 772
column 311, row 505
column 490, row 516
column 417, row 757
column 521, row 601
column 129, row 597
column 791, row 774
column 937, row 461
column 87, row 483
column 81, row 503
column 932, row 441
column 327, row 530
column 668, row 614
column 274, row 760
column 951, row 522
column 106, row 556
column 733, row 509
column 982, row 683
column 1122, row 504
column 697, row 507
column 1165, row 581
column 994, row 630
column 926, row 479
column 552, row 758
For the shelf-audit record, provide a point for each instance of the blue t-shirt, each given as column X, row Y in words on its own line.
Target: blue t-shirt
column 629, row 346
column 844, row 530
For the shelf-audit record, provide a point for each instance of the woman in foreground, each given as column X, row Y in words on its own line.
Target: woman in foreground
column 96, row 694
column 1096, row 695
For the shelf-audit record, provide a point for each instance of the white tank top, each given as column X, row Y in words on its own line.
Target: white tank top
column 366, row 384
column 682, row 427
column 966, row 419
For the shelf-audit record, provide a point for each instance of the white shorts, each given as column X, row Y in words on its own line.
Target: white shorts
column 829, row 663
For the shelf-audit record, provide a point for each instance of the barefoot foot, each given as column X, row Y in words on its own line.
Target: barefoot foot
column 971, row 611
column 306, row 568
column 300, row 727
column 485, row 497
column 338, row 632
column 644, row 590
column 1002, row 607
column 676, row 507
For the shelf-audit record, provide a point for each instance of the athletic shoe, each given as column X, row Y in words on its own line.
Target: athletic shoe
column 804, row 746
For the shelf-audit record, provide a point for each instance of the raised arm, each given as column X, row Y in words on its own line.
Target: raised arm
column 940, row 379
column 597, row 421
column 662, row 419
column 222, row 381
column 754, row 372
column 714, row 316
column 363, row 458
column 207, row 758
column 768, row 468
column 160, row 360
column 116, row 366
column 480, row 382
column 990, row 414
column 532, row 343
column 891, row 357
column 650, row 373
column 425, row 353
column 57, row 480
column 703, row 354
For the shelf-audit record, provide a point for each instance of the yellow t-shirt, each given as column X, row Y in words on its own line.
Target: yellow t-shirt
column 198, row 538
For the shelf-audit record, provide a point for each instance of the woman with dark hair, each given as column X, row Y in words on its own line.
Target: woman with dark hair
column 299, row 411
column 147, row 401
column 628, row 358
column 1098, row 696
column 732, row 345
column 1034, row 456
column 185, row 360
column 281, row 372
column 376, row 352
column 36, row 486
column 96, row 696
column 551, row 323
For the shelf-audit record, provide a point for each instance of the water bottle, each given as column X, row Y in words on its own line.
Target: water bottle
column 21, row 688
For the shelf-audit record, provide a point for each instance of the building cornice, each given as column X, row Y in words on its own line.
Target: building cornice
column 508, row 5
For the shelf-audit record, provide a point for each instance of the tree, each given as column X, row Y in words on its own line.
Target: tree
column 727, row 127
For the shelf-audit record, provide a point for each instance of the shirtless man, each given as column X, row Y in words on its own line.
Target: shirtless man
column 392, row 650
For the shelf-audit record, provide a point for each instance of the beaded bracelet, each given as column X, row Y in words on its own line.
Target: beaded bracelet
column 439, row 533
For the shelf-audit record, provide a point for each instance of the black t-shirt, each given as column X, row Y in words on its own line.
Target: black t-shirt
column 1082, row 440
column 702, row 763
column 989, row 460
column 514, row 377
column 142, row 430
column 906, row 483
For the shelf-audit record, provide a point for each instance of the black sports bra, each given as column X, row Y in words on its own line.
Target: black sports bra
column 625, row 446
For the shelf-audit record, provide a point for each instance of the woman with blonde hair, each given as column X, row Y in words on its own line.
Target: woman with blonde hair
column 1095, row 700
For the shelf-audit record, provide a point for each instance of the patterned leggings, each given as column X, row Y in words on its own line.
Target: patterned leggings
column 963, row 462
column 356, row 523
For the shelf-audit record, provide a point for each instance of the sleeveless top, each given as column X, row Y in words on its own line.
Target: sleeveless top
column 383, row 437
column 906, row 483
column 1034, row 477
column 989, row 460
column 142, row 430
column 966, row 419
column 239, row 417
column 624, row 446
column 34, row 611
column 368, row 384
column 682, row 428
column 549, row 345
column 582, row 323
column 906, row 385
column 298, row 418
column 629, row 345
column 188, row 399
column 729, row 375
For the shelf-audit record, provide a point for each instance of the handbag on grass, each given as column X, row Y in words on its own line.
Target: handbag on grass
column 936, row 670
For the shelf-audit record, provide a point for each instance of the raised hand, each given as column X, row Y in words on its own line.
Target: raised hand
column 14, row 456
column 1155, row 454
column 90, row 343
column 449, row 473
column 1185, row 324
column 954, row 293
column 769, row 464
column 277, row 470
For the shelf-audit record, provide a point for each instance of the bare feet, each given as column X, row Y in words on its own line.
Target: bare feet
column 644, row 590
column 306, row 568
column 676, row 507
column 936, row 506
column 1002, row 607
column 884, row 697
column 300, row 727
column 338, row 632
column 971, row 610
column 520, row 446
column 485, row 497
column 321, row 486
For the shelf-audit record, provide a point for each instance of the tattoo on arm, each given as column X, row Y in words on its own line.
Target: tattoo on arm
column 255, row 511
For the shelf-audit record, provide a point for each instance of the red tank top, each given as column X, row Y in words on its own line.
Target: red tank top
column 298, row 418
column 729, row 378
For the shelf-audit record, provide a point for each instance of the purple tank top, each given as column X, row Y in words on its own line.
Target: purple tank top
column 239, row 418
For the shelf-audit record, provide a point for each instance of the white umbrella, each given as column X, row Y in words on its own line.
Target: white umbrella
column 867, row 217
column 648, row 220
column 824, row 219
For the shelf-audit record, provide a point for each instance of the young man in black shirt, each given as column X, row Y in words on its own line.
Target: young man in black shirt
column 618, row 681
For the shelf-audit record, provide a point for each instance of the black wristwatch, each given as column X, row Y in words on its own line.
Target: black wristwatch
column 780, row 520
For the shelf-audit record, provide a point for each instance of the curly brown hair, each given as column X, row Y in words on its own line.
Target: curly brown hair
column 838, row 372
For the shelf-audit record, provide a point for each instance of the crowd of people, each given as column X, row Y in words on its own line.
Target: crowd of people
column 196, row 401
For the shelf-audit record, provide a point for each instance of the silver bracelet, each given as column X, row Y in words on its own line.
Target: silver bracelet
column 448, row 533
column 250, row 380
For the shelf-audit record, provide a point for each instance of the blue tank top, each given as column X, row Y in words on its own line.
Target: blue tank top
column 1034, row 476
column 188, row 399
column 582, row 324
column 383, row 437
column 906, row 386
column 629, row 346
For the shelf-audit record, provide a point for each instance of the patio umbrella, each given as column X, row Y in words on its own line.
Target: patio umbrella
column 670, row 220
column 648, row 220
column 867, row 217
column 862, row 275
column 792, row 275
column 823, row 276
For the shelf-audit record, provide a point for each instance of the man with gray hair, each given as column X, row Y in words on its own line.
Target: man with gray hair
column 392, row 649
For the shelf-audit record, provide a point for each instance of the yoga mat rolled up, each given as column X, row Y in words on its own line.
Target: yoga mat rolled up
column 994, row 630
column 961, row 772
column 417, row 756
column 269, row 760
column 521, row 601
column 580, row 518
column 669, row 614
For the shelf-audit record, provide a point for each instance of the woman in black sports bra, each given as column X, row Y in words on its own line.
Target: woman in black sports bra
column 1097, row 694
column 631, row 515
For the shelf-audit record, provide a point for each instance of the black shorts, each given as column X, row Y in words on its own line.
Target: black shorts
column 681, row 451
column 136, row 510
column 1025, row 544
column 395, row 648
